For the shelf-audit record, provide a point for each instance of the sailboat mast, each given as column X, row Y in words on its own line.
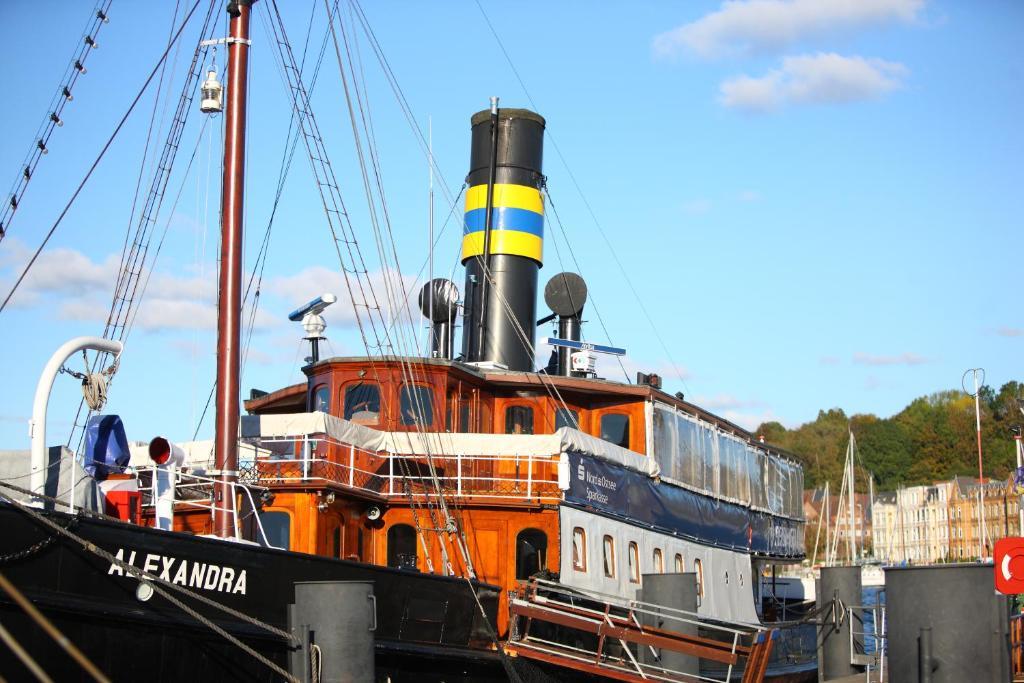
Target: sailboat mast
column 229, row 298
column 851, row 528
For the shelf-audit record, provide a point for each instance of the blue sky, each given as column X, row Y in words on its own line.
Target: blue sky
column 817, row 202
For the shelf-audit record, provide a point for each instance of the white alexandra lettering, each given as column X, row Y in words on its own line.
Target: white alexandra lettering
column 227, row 576
column 115, row 568
column 177, row 571
column 212, row 574
column 181, row 576
column 198, row 573
column 165, row 573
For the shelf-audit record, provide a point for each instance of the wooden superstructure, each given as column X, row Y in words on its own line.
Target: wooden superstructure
column 461, row 399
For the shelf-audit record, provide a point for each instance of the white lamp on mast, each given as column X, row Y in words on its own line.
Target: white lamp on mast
column 212, row 94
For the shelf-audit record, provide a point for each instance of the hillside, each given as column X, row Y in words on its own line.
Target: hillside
column 933, row 438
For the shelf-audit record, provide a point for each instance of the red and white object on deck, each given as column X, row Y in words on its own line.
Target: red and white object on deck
column 121, row 497
column 168, row 458
column 164, row 452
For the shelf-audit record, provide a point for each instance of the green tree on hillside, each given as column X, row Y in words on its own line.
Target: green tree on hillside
column 933, row 438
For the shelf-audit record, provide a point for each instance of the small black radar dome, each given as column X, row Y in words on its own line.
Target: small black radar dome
column 565, row 294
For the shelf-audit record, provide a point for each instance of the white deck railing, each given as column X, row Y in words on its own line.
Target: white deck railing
column 304, row 460
column 196, row 492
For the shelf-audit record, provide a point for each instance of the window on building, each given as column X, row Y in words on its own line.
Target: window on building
column 531, row 553
column 579, row 549
column 680, row 565
column 634, row 563
column 567, row 417
column 609, row 557
column 519, row 420
column 362, row 402
column 402, row 546
column 321, row 402
column 277, row 527
column 698, row 567
column 659, row 561
column 615, row 429
column 417, row 405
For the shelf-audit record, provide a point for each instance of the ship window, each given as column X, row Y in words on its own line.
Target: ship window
column 579, row 549
column 465, row 415
column 615, row 429
column 277, row 527
column 609, row 557
column 362, row 402
column 634, row 563
column 417, row 403
column 659, row 561
column 519, row 420
column 699, row 568
column 336, row 542
column 321, row 399
column 531, row 551
column 680, row 565
column 402, row 546
column 567, row 417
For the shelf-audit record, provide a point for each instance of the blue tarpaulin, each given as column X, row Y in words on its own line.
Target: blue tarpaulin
column 106, row 446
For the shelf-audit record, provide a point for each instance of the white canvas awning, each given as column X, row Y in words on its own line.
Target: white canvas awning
column 443, row 443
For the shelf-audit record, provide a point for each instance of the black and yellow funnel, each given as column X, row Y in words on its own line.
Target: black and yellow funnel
column 503, row 237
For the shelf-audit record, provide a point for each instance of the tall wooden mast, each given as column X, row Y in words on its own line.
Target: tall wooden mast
column 229, row 299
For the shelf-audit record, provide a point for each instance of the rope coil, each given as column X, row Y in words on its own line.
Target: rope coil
column 94, row 384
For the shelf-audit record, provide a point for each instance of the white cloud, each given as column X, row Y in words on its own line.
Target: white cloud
column 750, row 420
column 609, row 367
column 749, row 196
column 313, row 281
column 899, row 359
column 79, row 288
column 828, row 360
column 56, row 271
column 697, row 206
column 759, row 26
column 823, row 78
column 747, row 413
column 1010, row 332
column 725, row 402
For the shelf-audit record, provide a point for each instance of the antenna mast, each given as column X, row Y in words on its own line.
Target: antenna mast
column 982, row 528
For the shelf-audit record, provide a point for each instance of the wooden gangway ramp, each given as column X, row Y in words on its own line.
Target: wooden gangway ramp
column 604, row 636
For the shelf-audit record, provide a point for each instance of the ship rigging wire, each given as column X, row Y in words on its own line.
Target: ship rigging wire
column 133, row 270
column 53, row 118
column 96, row 162
column 590, row 210
column 161, row 587
column 288, row 154
column 49, row 629
column 407, row 365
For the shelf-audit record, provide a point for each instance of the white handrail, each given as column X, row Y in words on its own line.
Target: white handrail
column 37, row 425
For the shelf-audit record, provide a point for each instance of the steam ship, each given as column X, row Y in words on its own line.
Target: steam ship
column 507, row 518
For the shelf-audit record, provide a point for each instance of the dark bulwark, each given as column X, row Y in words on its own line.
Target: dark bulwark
column 428, row 627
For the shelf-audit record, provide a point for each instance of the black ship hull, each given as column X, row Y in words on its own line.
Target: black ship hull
column 428, row 627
